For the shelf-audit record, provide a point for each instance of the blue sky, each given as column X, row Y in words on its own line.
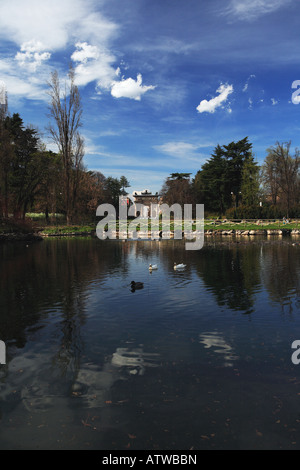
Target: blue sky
column 162, row 81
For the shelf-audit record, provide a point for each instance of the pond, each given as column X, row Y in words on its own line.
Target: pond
column 196, row 359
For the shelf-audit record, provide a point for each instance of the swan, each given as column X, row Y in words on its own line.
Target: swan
column 179, row 266
column 153, row 267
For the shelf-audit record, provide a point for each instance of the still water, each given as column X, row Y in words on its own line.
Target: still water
column 197, row 359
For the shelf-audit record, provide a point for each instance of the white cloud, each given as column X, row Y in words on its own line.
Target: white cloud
column 211, row 106
column 24, row 84
column 33, row 46
column 247, row 83
column 94, row 65
column 41, row 28
column 274, row 102
column 165, row 44
column 252, row 9
column 110, row 133
column 97, row 65
column 177, row 148
column 180, row 149
column 32, row 56
column 84, row 52
column 129, row 88
column 55, row 24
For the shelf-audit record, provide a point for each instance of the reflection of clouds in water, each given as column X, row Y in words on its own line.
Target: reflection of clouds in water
column 33, row 383
column 216, row 341
column 93, row 384
column 40, row 387
column 136, row 361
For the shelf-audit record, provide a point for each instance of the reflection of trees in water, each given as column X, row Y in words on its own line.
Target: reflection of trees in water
column 173, row 251
column 146, row 251
column 48, row 284
column 280, row 273
column 232, row 273
column 52, row 277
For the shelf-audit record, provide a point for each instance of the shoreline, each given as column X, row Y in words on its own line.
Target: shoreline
column 216, row 232
column 40, row 236
column 20, row 237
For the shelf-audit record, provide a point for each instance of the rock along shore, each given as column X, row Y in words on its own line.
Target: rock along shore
column 170, row 235
column 33, row 237
column 247, row 233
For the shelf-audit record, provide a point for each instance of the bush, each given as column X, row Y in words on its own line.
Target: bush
column 15, row 226
column 265, row 212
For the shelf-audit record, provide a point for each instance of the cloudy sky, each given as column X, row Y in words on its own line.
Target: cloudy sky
column 162, row 81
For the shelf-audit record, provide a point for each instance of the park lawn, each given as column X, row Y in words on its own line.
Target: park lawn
column 252, row 226
column 145, row 226
column 37, row 224
column 65, row 230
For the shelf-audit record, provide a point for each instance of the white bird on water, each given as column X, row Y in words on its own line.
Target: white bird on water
column 153, row 267
column 179, row 266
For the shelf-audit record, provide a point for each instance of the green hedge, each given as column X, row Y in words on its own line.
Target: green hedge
column 265, row 212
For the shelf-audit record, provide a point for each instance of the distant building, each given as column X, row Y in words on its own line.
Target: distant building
column 147, row 198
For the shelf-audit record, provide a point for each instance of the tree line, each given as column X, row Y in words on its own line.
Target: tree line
column 36, row 179
column 232, row 183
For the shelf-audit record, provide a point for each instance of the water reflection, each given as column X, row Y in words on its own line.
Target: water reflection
column 135, row 361
column 93, row 384
column 77, row 339
column 232, row 273
column 215, row 341
column 280, row 274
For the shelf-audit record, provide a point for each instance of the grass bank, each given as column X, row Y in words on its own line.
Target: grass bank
column 61, row 231
column 145, row 226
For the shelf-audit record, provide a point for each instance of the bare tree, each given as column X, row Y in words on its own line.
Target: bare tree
column 66, row 112
column 6, row 158
column 177, row 189
column 284, row 173
column 270, row 177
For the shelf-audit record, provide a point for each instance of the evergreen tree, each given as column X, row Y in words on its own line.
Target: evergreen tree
column 236, row 154
column 210, row 183
column 250, row 186
column 219, row 182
